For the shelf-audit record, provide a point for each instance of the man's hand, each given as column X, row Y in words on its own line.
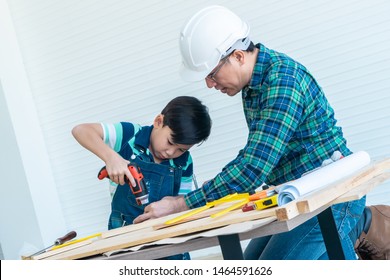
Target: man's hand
column 167, row 205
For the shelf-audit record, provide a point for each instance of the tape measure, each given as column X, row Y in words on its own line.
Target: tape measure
column 261, row 203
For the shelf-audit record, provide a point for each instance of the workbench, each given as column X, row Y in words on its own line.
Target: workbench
column 226, row 230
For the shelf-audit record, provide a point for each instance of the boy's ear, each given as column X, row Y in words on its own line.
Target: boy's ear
column 158, row 121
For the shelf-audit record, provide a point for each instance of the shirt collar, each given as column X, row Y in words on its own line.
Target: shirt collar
column 142, row 138
column 142, row 142
column 263, row 58
column 261, row 66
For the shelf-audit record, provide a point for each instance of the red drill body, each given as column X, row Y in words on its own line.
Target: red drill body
column 139, row 190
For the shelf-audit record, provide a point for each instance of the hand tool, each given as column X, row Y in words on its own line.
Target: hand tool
column 58, row 241
column 266, row 192
column 228, row 198
column 261, row 203
column 76, row 241
column 231, row 208
column 270, row 191
column 140, row 190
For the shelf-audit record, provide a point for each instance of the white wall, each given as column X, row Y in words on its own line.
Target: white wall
column 14, row 188
column 30, row 208
column 117, row 60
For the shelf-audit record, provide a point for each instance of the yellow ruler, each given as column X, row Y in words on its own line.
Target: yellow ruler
column 76, row 241
column 228, row 198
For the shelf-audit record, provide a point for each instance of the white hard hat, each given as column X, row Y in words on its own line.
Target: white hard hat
column 207, row 37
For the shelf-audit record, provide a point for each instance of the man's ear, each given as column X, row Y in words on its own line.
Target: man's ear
column 239, row 56
column 158, row 121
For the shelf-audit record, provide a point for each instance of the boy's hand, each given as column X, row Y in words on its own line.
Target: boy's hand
column 167, row 205
column 118, row 170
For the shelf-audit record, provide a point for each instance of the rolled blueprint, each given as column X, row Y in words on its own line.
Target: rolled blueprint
column 321, row 177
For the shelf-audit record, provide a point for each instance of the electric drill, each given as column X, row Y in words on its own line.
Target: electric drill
column 139, row 190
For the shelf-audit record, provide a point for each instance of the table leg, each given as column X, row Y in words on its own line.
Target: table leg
column 231, row 247
column 330, row 234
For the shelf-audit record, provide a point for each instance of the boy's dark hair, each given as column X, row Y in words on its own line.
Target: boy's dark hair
column 188, row 119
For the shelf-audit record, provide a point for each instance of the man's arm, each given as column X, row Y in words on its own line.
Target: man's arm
column 167, row 205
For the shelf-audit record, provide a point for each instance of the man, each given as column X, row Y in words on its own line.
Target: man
column 292, row 130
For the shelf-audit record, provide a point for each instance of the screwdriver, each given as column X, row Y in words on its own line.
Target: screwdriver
column 59, row 241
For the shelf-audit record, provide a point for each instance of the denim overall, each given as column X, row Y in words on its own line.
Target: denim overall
column 161, row 180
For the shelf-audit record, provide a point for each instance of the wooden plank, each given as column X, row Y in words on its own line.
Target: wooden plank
column 287, row 214
column 58, row 251
column 206, row 213
column 145, row 233
column 287, row 211
column 160, row 251
column 159, row 222
column 329, row 193
column 141, row 226
column 363, row 189
column 140, row 237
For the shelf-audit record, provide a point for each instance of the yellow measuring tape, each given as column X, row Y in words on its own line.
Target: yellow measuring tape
column 228, row 198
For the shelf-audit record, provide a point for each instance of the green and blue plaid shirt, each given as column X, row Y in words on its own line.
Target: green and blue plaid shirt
column 291, row 125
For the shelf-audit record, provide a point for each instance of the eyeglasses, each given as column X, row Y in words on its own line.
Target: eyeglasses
column 211, row 76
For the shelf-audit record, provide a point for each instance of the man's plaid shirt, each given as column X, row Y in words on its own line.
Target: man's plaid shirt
column 291, row 125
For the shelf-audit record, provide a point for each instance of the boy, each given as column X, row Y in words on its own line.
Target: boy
column 161, row 151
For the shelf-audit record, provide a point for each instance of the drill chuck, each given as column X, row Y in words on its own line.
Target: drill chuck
column 142, row 200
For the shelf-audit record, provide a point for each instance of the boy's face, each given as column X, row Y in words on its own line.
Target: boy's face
column 161, row 144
